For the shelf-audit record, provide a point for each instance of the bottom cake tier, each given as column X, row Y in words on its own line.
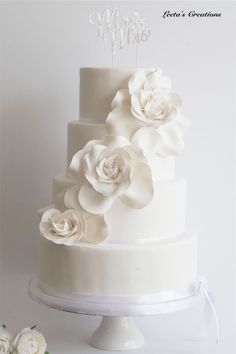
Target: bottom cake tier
column 119, row 269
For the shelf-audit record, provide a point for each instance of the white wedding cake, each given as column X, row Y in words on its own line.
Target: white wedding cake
column 116, row 226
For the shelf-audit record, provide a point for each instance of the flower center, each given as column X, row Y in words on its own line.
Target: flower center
column 65, row 227
column 111, row 170
column 32, row 347
column 157, row 107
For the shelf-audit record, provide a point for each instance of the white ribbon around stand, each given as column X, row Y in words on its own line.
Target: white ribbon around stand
column 165, row 302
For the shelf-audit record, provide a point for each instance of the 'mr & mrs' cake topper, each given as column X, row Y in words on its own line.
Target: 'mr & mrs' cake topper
column 119, row 30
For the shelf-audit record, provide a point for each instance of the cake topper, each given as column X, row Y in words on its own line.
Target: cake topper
column 119, row 30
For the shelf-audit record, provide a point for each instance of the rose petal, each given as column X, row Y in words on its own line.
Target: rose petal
column 68, row 241
column 136, row 82
column 155, row 81
column 122, row 98
column 147, row 139
column 115, row 142
column 170, row 137
column 182, row 123
column 152, row 79
column 97, row 229
column 6, row 340
column 136, row 108
column 164, row 83
column 106, row 189
column 74, row 169
column 92, row 157
column 121, row 122
column 41, row 211
column 135, row 153
column 94, row 202
column 175, row 100
column 49, row 214
column 91, row 160
column 71, row 198
column 140, row 192
column 144, row 96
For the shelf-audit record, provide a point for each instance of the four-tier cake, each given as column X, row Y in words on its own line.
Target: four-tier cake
column 116, row 226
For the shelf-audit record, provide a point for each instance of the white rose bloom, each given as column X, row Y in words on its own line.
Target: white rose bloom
column 29, row 341
column 108, row 169
column 148, row 114
column 68, row 227
column 6, row 340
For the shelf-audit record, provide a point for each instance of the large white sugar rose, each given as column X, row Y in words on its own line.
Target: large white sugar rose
column 70, row 226
column 108, row 169
column 148, row 114
column 29, row 341
column 6, row 341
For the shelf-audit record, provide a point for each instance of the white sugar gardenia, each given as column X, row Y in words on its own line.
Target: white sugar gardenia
column 148, row 114
column 70, row 226
column 6, row 341
column 29, row 341
column 107, row 169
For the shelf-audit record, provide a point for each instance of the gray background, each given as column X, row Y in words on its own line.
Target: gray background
column 42, row 46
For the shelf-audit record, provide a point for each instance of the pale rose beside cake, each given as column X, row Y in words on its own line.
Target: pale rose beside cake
column 116, row 226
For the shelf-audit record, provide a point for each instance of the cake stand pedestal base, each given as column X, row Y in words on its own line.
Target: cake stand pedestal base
column 117, row 333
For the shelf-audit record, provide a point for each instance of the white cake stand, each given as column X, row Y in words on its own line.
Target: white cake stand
column 117, row 330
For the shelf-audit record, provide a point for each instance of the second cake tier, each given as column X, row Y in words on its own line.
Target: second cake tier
column 163, row 217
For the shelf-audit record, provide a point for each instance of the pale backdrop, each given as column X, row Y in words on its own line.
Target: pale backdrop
column 42, row 46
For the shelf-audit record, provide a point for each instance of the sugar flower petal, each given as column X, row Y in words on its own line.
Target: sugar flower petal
column 155, row 81
column 71, row 198
column 135, row 153
column 97, row 229
column 147, row 139
column 170, row 137
column 122, row 122
column 74, row 169
column 141, row 191
column 49, row 213
column 115, row 141
column 122, row 98
column 91, row 157
column 136, row 107
column 137, row 81
column 94, row 202
column 6, row 341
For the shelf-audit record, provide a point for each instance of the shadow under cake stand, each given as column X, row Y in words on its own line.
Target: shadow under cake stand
column 117, row 330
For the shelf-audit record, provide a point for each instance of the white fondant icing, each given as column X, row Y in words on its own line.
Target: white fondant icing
column 128, row 270
column 79, row 133
column 147, row 251
column 164, row 217
column 98, row 87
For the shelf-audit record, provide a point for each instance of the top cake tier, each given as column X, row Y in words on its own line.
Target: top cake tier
column 98, row 87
